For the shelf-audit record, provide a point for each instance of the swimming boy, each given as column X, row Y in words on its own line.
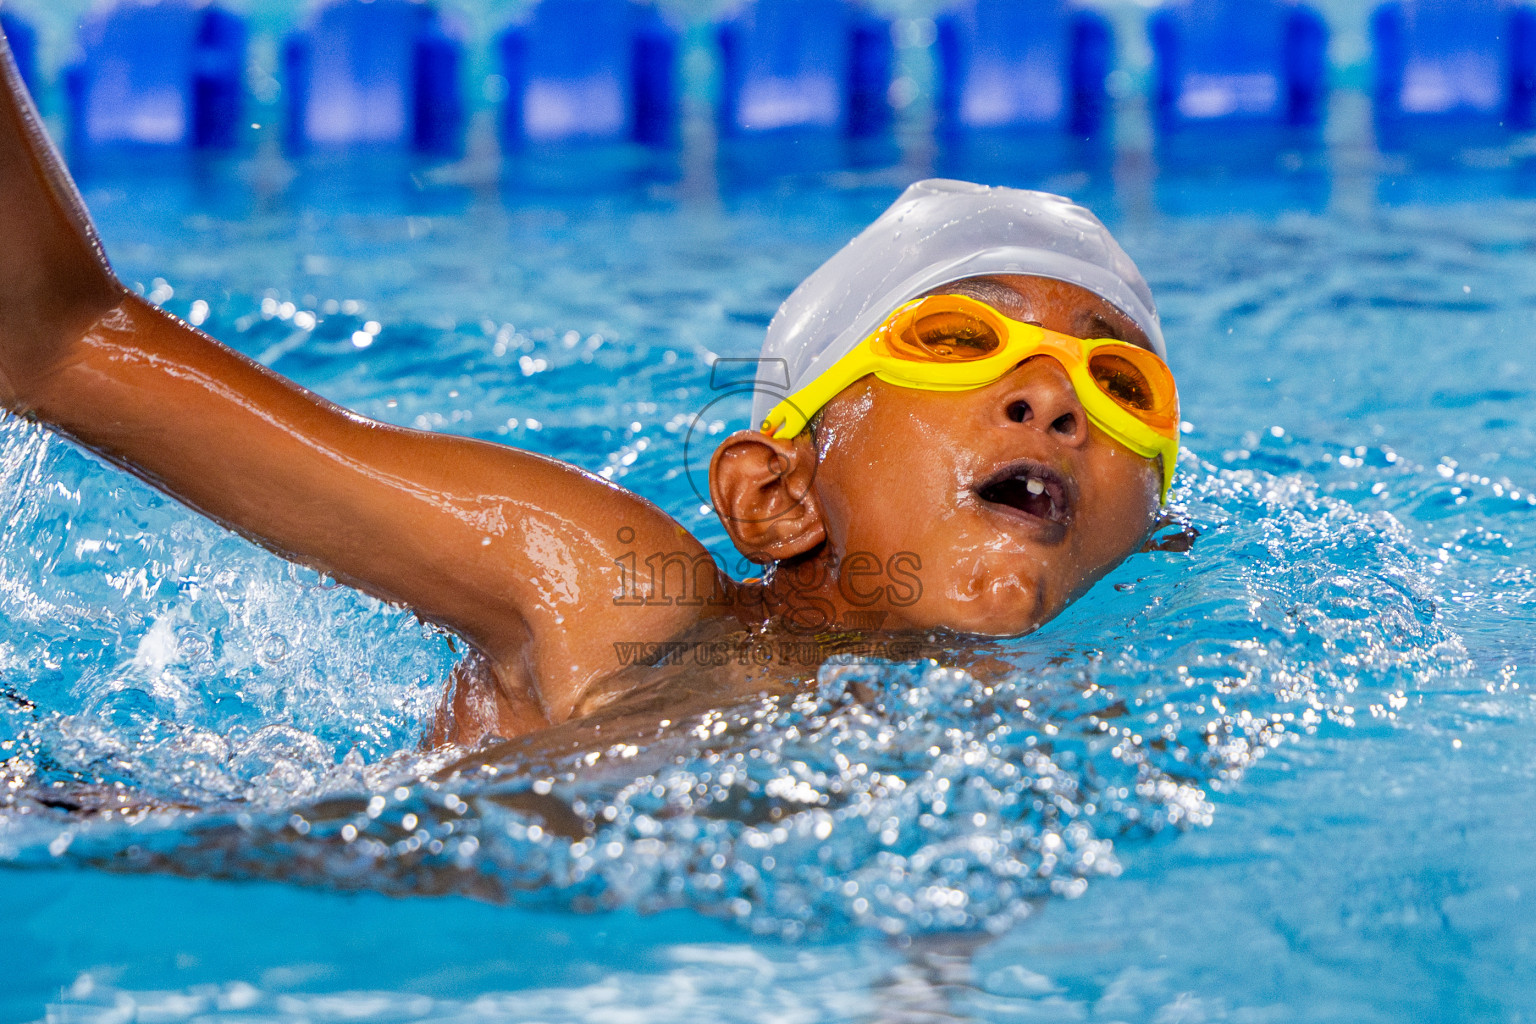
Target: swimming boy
column 935, row 447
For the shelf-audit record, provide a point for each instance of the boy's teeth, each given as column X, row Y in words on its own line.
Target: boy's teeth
column 1034, row 486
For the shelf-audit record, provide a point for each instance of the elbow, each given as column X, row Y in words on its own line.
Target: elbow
column 42, row 331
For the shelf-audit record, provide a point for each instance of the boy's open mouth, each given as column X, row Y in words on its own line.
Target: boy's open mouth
column 1031, row 488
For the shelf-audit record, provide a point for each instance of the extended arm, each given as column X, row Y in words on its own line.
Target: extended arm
column 504, row 547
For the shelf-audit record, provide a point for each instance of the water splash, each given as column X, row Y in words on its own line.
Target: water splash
column 898, row 797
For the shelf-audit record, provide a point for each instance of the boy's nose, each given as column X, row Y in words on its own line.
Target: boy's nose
column 1039, row 394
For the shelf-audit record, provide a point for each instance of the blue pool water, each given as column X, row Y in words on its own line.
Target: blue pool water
column 1283, row 776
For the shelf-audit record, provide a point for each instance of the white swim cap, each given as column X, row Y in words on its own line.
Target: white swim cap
column 937, row 232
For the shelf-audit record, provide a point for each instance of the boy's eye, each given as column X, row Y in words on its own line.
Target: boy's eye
column 952, row 336
column 1119, row 378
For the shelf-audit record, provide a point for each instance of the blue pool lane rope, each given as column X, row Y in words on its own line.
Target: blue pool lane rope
column 805, row 65
column 170, row 74
column 1009, row 66
column 167, row 75
column 1466, row 61
column 381, row 74
column 589, row 71
column 1259, row 62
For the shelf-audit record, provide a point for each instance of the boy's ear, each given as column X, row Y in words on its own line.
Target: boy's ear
column 761, row 489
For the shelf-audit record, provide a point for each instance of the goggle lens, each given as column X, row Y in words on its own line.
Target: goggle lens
column 1122, row 380
column 949, row 336
column 1139, row 383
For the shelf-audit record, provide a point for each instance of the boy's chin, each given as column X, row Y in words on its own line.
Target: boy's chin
column 999, row 619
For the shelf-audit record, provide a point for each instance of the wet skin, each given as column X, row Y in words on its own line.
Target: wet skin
column 899, row 473
column 519, row 554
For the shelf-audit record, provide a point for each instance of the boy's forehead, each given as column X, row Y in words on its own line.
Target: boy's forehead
column 1034, row 299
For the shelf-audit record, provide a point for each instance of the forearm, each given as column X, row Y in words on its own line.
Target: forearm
column 54, row 280
column 406, row 515
column 207, row 425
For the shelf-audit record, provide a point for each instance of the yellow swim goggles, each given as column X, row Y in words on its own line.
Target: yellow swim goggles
column 955, row 343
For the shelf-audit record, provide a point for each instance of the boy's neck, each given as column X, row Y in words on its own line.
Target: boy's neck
column 825, row 592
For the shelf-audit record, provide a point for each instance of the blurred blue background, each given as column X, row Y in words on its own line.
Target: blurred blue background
column 915, row 87
column 1309, row 800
